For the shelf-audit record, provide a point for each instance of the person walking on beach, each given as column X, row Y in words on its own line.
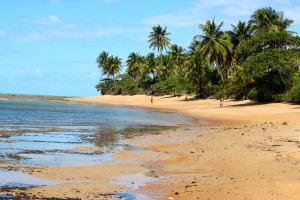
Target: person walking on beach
column 221, row 102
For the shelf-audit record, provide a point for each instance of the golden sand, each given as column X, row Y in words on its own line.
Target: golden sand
column 244, row 150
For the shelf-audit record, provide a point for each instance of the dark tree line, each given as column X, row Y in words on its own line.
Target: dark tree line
column 258, row 59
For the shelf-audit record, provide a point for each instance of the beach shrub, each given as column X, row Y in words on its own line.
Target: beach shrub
column 293, row 95
column 159, row 88
column 220, row 93
column 124, row 85
column 255, row 94
column 104, row 85
column 229, row 90
column 173, row 85
column 279, row 97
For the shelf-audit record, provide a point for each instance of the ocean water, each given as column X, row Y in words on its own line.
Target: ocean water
column 66, row 134
column 48, row 133
column 22, row 113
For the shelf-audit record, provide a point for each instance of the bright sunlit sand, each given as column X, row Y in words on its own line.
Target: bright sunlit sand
column 140, row 100
column 245, row 150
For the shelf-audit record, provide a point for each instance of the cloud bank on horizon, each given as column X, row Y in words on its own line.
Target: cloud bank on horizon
column 50, row 47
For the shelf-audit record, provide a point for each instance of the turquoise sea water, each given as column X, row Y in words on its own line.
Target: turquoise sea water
column 47, row 133
column 66, row 114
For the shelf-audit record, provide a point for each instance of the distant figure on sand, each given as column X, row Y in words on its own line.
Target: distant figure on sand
column 151, row 99
column 221, row 102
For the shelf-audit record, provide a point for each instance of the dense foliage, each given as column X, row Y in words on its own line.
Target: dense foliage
column 258, row 60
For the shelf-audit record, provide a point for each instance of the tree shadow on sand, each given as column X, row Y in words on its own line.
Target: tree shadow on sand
column 251, row 103
column 169, row 97
column 255, row 103
column 195, row 99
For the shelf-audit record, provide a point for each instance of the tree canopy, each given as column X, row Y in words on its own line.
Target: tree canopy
column 257, row 59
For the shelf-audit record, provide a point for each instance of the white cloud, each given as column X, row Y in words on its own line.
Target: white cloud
column 196, row 12
column 71, row 33
column 171, row 20
column 53, row 18
column 294, row 14
column 63, row 30
column 50, row 19
column 228, row 11
column 27, row 73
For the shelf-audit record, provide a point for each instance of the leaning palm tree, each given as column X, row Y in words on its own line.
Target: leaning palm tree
column 283, row 24
column 102, row 62
column 216, row 45
column 267, row 19
column 158, row 39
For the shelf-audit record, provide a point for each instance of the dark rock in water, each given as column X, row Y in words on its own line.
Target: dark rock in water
column 6, row 196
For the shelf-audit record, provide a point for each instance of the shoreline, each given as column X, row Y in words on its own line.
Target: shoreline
column 244, row 150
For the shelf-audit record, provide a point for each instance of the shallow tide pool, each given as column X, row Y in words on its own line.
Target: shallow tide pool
column 12, row 178
column 63, row 134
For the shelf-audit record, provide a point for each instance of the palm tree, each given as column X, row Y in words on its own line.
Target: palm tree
column 241, row 32
column 244, row 75
column 196, row 66
column 267, row 19
column 166, row 68
column 158, row 39
column 177, row 55
column 239, row 35
column 150, row 64
column 114, row 65
column 216, row 45
column 283, row 24
column 102, row 62
column 134, row 64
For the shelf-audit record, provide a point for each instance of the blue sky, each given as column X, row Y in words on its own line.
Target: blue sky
column 50, row 46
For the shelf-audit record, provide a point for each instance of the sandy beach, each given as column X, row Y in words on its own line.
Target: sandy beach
column 244, row 150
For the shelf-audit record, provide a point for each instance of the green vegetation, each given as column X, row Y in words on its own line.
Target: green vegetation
column 258, row 59
column 110, row 137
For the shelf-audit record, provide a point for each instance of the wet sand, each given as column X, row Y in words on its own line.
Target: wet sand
column 244, row 150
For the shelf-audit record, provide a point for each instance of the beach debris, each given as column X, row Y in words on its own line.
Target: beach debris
column 284, row 123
